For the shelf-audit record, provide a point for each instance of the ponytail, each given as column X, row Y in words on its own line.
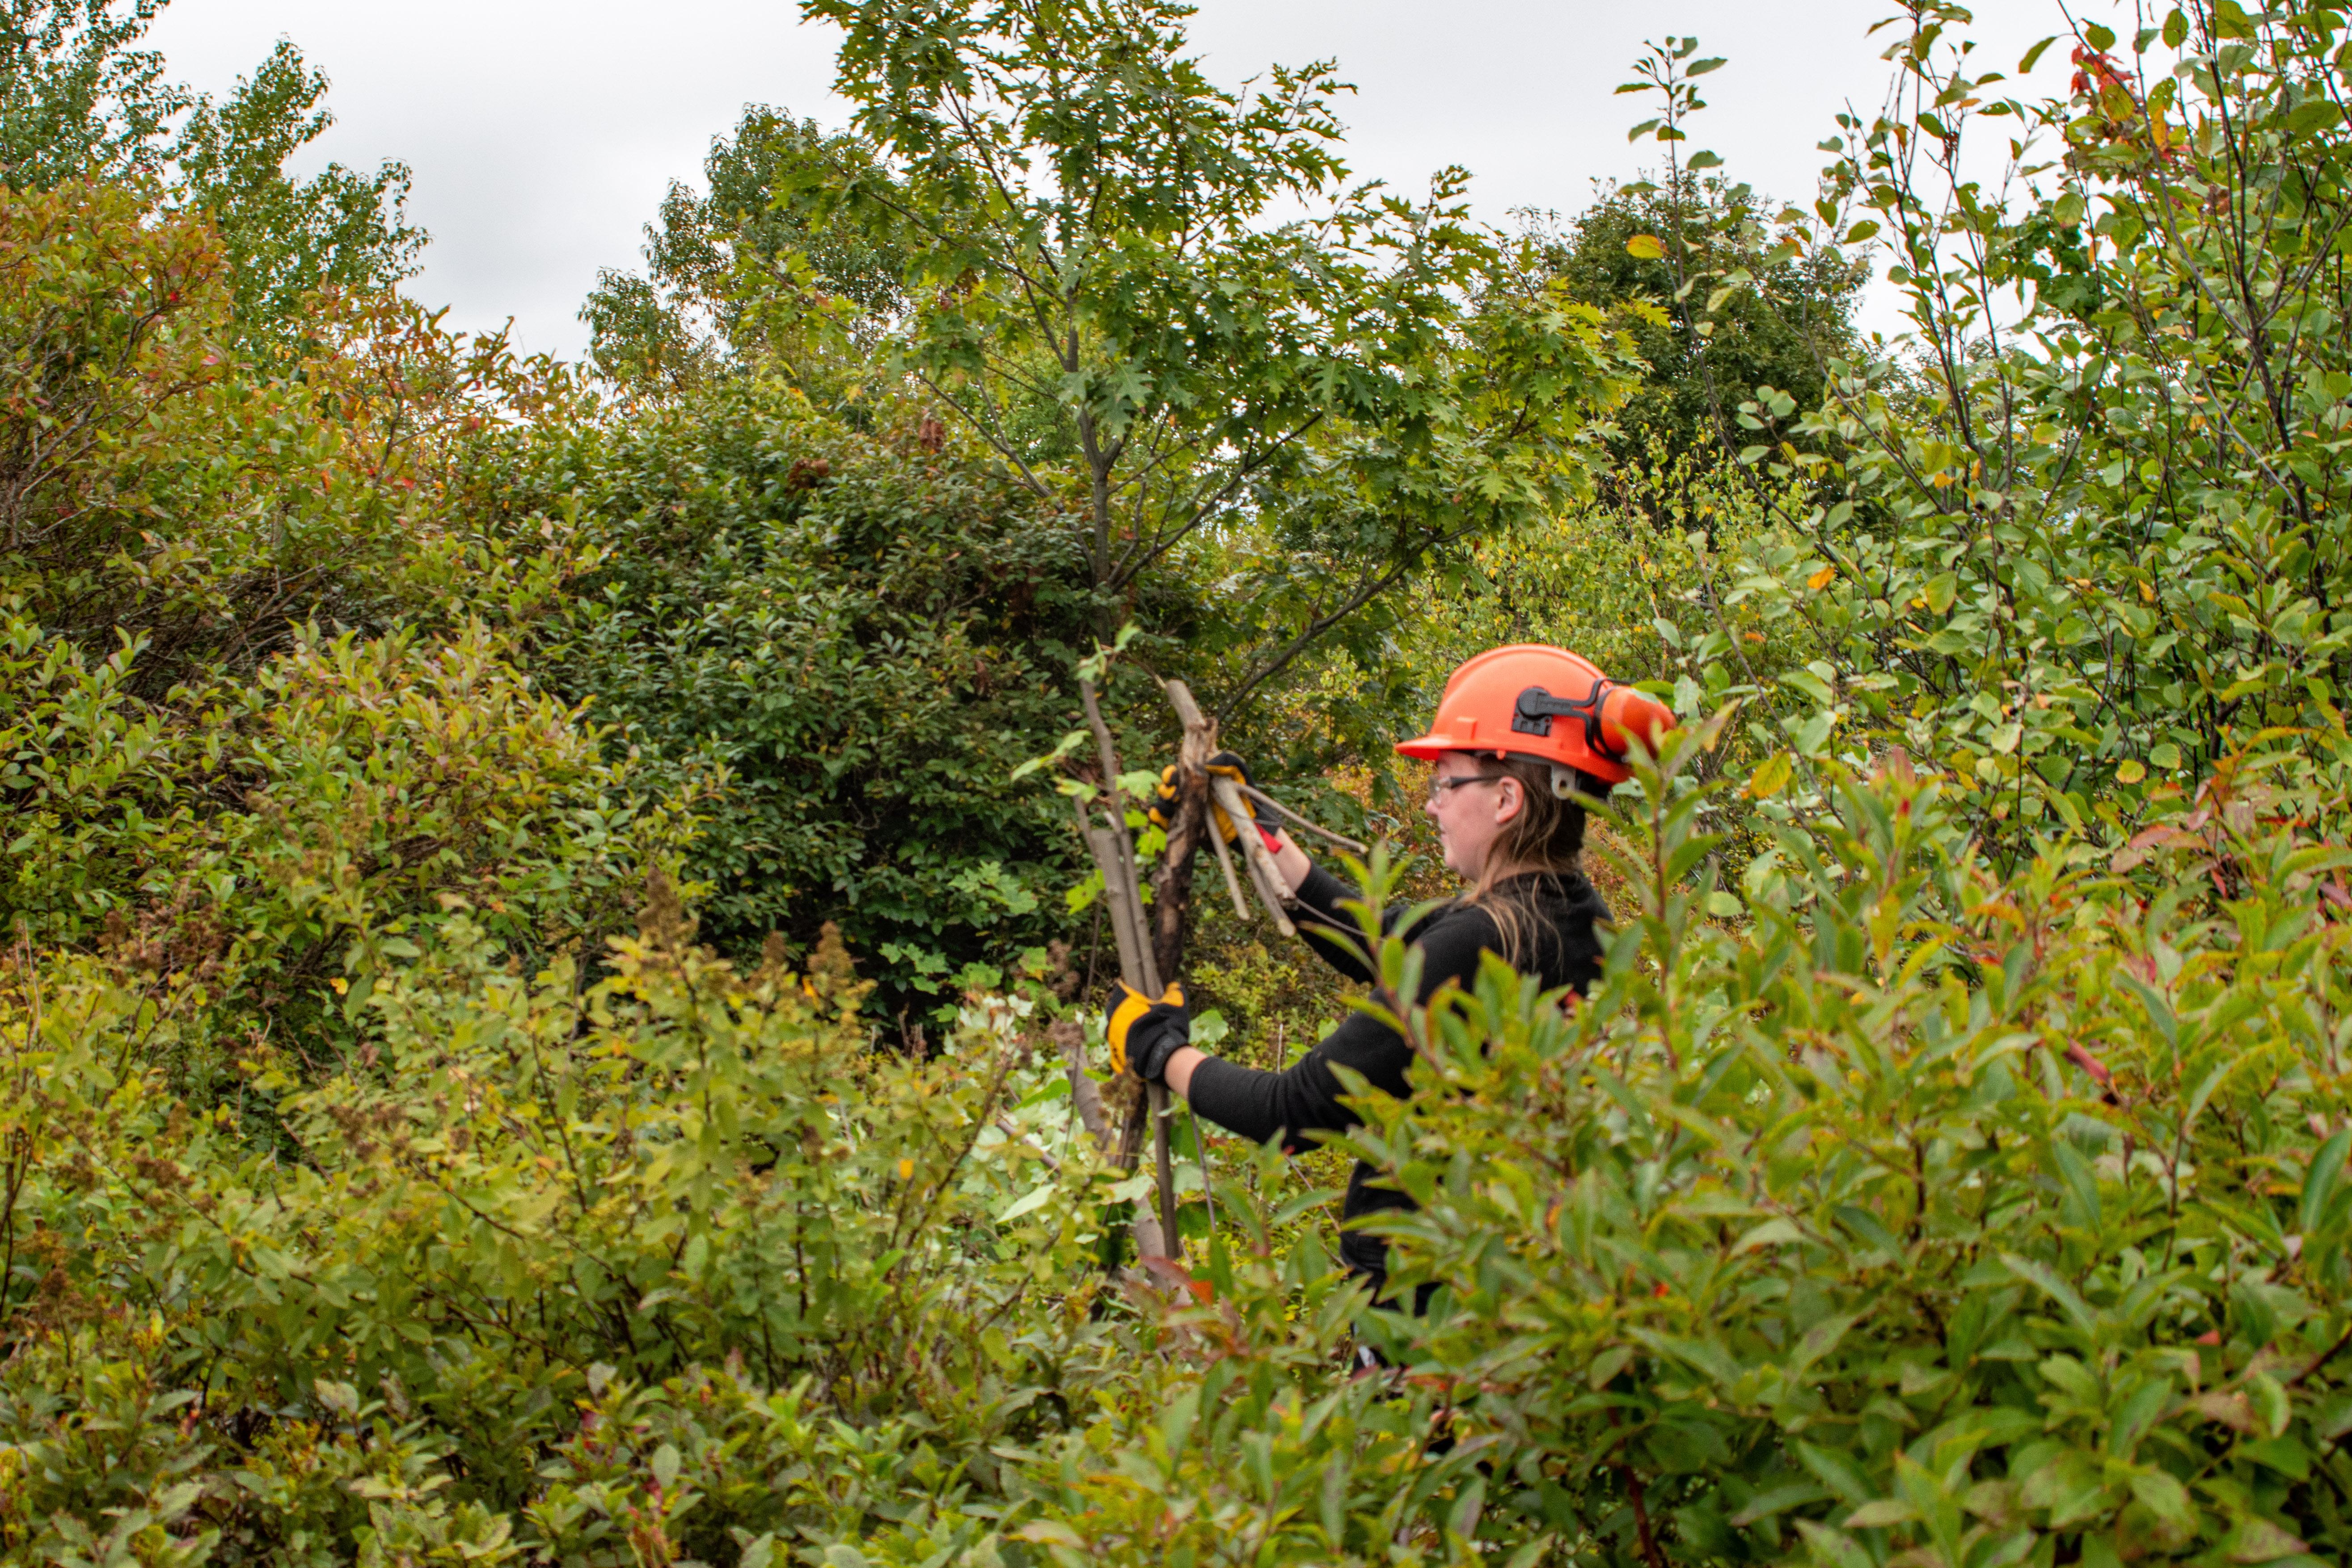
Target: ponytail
column 1546, row 835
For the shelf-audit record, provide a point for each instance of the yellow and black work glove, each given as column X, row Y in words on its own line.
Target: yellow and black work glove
column 1224, row 765
column 1144, row 1033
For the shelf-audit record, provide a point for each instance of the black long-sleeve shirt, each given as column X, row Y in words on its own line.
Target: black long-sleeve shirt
column 1560, row 945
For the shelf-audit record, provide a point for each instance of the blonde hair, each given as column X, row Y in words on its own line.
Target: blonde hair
column 1548, row 835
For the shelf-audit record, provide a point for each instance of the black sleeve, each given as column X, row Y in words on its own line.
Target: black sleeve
column 1333, row 933
column 1304, row 1097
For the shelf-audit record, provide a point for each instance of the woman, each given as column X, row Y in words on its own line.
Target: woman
column 1519, row 731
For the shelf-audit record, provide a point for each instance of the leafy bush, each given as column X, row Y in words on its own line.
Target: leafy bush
column 869, row 633
column 246, row 848
column 2082, row 535
column 152, row 482
column 1938, row 1217
column 535, row 1193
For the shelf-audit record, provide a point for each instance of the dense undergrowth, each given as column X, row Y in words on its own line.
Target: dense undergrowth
column 1931, row 1211
column 537, row 1010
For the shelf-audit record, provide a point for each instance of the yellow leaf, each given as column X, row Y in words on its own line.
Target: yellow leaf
column 2130, row 772
column 906, row 1170
column 1648, row 247
column 1051, row 1532
column 1771, row 778
column 1822, row 579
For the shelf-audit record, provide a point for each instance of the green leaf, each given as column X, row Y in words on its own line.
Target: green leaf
column 1836, row 1472
column 2257, row 1540
column 1820, row 1339
column 2164, row 1496
column 2033, row 1273
column 1779, row 1499
column 1028, row 1202
column 2323, row 1179
column 1833, row 1547
column 1772, row 1231
column 2271, row 1404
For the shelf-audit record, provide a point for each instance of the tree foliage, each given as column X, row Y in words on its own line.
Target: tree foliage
column 1099, row 282
column 1779, row 333
column 868, row 633
column 2116, row 540
column 286, row 238
column 717, row 259
column 83, row 102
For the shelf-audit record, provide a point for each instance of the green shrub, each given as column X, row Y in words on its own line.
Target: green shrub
column 1935, row 1218
column 251, row 854
column 870, row 633
column 153, row 483
column 531, row 1193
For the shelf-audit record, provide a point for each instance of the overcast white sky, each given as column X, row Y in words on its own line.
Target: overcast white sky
column 543, row 132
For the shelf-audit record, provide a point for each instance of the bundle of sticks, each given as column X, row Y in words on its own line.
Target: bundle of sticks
column 1102, row 822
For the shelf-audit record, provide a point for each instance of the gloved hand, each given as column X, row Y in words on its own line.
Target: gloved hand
column 1224, row 765
column 1144, row 1033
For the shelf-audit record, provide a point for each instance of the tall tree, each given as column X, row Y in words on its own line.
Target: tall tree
column 286, row 237
column 1780, row 331
column 716, row 257
column 80, row 100
column 77, row 98
column 1103, row 279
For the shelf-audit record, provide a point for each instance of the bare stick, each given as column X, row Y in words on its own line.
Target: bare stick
column 1125, row 897
column 1152, row 1230
column 1150, row 1240
column 1192, row 757
column 1122, row 915
column 1119, row 880
column 1103, row 850
column 1226, row 864
column 1227, row 795
column 1341, row 839
column 1199, row 740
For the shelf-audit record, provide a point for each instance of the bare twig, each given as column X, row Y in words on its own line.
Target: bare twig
column 1341, row 839
column 1227, row 794
column 1115, row 856
column 1232, row 883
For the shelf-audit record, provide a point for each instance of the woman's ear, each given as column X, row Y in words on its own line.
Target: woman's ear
column 1510, row 799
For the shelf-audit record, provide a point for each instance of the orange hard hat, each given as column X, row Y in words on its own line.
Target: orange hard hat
column 1530, row 699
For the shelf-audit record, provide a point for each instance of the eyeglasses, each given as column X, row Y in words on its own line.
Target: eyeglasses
column 1439, row 786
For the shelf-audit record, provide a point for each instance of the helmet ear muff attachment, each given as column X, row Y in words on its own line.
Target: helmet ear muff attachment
column 1567, row 783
